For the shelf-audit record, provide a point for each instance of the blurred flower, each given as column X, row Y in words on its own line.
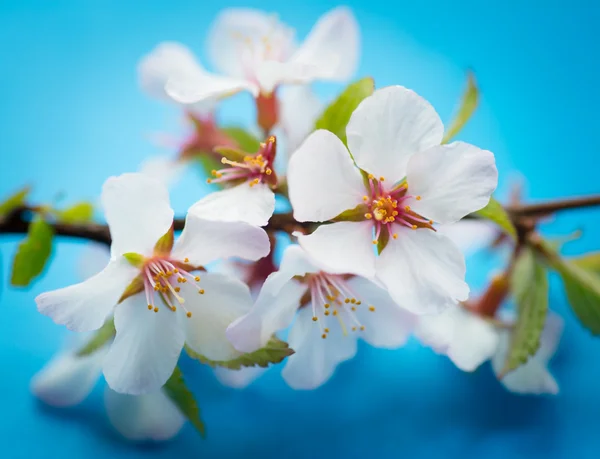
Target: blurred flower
column 394, row 136
column 144, row 259
column 331, row 312
column 257, row 52
column 68, row 379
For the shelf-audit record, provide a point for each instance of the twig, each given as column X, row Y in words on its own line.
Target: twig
column 549, row 207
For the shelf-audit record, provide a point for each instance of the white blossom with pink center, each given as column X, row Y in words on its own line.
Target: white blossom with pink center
column 329, row 311
column 397, row 186
column 158, row 303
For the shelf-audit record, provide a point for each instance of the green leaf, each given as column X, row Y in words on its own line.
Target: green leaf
column 183, row 398
column 245, row 140
column 468, row 104
column 496, row 213
column 15, row 200
column 337, row 114
column 274, row 352
column 102, row 336
column 33, row 253
column 82, row 212
column 589, row 262
column 529, row 286
column 134, row 259
column 582, row 286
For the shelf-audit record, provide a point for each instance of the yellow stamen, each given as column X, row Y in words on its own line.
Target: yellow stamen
column 189, row 314
column 372, row 308
column 315, row 318
column 155, row 309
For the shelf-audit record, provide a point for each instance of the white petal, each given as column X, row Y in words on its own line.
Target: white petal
column 207, row 87
column 533, row 377
column 169, row 60
column 423, row 271
column 452, row 180
column 204, row 241
column 388, row 128
column 143, row 417
column 343, row 248
column 137, row 211
column 163, row 169
column 323, row 181
column 237, row 40
column 242, row 203
column 67, row 379
column 94, row 258
column 270, row 74
column 84, row 306
column 332, row 47
column 316, row 358
column 224, row 300
column 469, row 235
column 465, row 338
column 238, row 379
column 299, row 110
column 389, row 325
column 146, row 348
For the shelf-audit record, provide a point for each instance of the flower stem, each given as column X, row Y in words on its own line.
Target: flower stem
column 549, row 207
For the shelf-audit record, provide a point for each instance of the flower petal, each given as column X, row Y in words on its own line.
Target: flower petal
column 203, row 241
column 332, row 47
column 146, row 348
column 237, row 40
column 323, row 181
column 342, row 248
column 388, row 128
column 387, row 326
column 469, row 235
column 465, row 338
column 206, row 88
column 423, row 271
column 169, row 60
column 67, row 379
column 316, row 358
column 137, row 211
column 532, row 377
column 224, row 300
column 84, row 306
column 299, row 109
column 243, row 203
column 164, row 169
column 452, row 180
column 143, row 417
column 238, row 379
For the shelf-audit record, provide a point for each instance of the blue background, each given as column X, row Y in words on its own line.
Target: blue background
column 71, row 115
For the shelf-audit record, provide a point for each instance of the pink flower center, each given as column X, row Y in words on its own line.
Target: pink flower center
column 162, row 278
column 332, row 299
column 389, row 208
column 255, row 169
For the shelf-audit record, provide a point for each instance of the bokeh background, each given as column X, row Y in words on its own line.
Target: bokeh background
column 71, row 114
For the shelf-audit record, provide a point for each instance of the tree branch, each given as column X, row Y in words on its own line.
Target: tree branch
column 549, row 207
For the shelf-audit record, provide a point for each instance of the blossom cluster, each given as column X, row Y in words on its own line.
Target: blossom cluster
column 369, row 254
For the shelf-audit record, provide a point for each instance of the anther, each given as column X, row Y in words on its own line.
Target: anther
column 407, row 208
column 323, row 336
column 368, row 216
column 326, row 330
column 197, row 279
column 372, row 308
column 347, row 300
column 418, row 198
column 375, row 241
column 177, row 289
column 201, row 291
column 155, row 309
column 315, row 318
column 175, row 270
column 189, row 314
column 353, row 308
column 150, row 307
column 186, row 260
column 365, row 198
column 382, row 178
column 362, row 328
column 335, row 312
column 326, row 305
column 326, row 313
column 414, row 227
column 353, row 328
column 353, row 300
column 395, row 235
column 358, row 303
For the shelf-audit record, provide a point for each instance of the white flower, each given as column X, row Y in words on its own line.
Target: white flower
column 331, row 311
column 67, row 380
column 413, row 181
column 257, row 53
column 164, row 304
column 532, row 377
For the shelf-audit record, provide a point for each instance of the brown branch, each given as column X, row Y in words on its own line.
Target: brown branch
column 17, row 222
column 549, row 207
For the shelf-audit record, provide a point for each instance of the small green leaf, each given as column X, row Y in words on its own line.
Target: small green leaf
column 468, row 104
column 353, row 215
column 337, row 114
column 33, row 252
column 496, row 213
column 582, row 286
column 82, row 212
column 246, row 141
column 165, row 244
column 529, row 286
column 15, row 200
column 274, row 352
column 102, row 336
column 183, row 398
column 135, row 259
column 589, row 262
